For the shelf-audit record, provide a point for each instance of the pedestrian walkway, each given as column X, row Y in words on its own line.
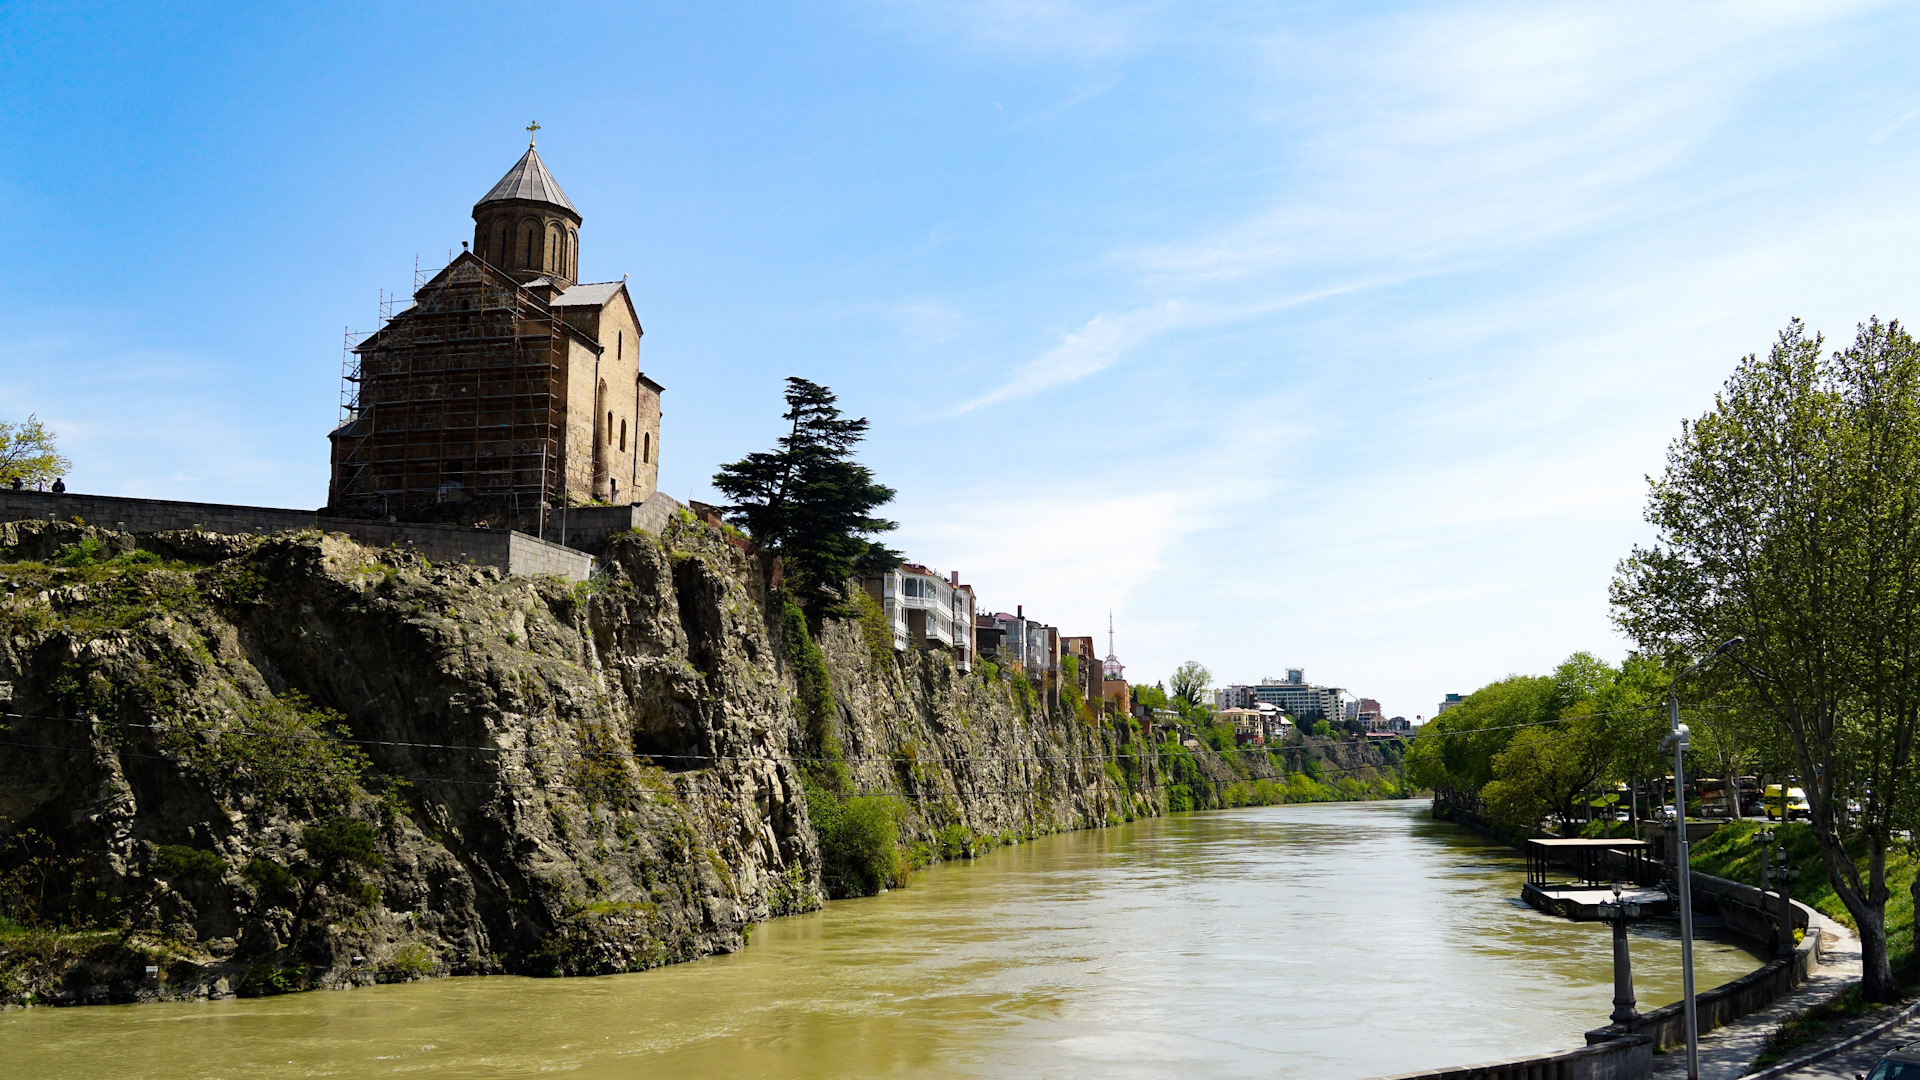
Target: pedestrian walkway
column 1727, row 1053
column 1858, row 1060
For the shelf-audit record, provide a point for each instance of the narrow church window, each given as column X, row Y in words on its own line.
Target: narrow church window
column 526, row 251
column 609, row 428
column 620, row 345
column 623, row 436
column 646, row 447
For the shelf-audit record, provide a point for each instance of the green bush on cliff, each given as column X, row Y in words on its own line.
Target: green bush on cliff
column 874, row 629
column 859, row 842
column 283, row 752
column 182, row 863
column 335, row 851
column 815, row 700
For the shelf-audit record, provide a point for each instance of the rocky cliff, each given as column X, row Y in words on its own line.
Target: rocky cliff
column 255, row 764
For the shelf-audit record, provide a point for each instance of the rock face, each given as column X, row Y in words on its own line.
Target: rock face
column 252, row 764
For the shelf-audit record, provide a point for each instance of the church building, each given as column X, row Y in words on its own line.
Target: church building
column 508, row 387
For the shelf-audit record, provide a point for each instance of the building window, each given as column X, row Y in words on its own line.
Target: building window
column 623, row 436
column 609, row 429
column 646, row 447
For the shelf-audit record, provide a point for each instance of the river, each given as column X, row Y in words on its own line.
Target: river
column 1325, row 941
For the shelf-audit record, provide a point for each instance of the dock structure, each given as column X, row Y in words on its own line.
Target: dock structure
column 1572, row 878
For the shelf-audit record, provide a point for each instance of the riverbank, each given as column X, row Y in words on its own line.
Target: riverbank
column 1208, row 945
column 252, row 765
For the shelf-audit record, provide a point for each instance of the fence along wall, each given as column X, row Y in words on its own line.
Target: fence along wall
column 512, row 552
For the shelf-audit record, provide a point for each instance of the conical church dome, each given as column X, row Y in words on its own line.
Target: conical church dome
column 527, row 227
column 528, row 180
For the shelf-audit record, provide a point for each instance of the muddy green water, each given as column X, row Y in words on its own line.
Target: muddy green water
column 1331, row 941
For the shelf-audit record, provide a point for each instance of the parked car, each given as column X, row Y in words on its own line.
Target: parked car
column 1797, row 808
column 1902, row 1063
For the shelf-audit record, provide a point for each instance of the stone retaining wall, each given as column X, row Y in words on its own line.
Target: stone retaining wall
column 1627, row 1058
column 150, row 515
column 512, row 552
column 588, row 527
column 1740, row 907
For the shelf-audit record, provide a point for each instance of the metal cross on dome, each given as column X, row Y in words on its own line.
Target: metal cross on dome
column 532, row 127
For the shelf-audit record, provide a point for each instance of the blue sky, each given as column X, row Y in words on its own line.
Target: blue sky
column 1335, row 336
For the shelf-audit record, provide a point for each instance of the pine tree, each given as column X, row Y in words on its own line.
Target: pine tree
column 810, row 503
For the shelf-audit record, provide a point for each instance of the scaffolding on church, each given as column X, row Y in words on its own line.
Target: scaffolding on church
column 458, row 398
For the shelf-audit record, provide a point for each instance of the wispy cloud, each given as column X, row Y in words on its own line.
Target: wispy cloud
column 1096, row 346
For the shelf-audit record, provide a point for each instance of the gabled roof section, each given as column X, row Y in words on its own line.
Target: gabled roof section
column 595, row 294
column 600, row 294
column 530, row 180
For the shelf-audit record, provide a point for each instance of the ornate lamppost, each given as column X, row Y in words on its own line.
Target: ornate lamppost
column 1618, row 913
column 1782, row 875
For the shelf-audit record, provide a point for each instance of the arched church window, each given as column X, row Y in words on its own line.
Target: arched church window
column 527, row 247
column 623, row 436
column 553, row 251
column 646, row 447
column 609, row 429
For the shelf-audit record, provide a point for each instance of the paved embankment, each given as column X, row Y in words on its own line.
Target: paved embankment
column 1728, row 1053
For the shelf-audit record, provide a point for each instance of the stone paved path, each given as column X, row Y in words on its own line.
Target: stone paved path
column 1726, row 1054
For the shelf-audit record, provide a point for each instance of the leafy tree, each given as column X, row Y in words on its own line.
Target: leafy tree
column 1455, row 752
column 810, row 503
column 27, row 453
column 1151, row 696
column 1190, row 681
column 1789, row 515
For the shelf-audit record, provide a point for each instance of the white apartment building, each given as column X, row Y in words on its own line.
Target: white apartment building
column 1233, row 697
column 1296, row 696
column 926, row 610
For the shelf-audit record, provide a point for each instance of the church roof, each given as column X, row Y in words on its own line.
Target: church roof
column 530, row 180
column 593, row 294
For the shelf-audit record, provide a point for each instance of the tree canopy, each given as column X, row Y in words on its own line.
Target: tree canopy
column 1190, row 681
column 1789, row 514
column 811, row 503
column 28, row 453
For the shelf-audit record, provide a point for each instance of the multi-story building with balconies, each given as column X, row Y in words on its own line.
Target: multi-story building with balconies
column 925, row 610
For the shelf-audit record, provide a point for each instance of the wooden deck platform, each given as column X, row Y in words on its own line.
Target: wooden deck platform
column 1581, row 902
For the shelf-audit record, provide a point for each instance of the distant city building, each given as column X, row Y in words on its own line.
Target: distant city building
column 1451, row 701
column 1273, row 721
column 1301, row 699
column 1243, row 721
column 1294, row 695
column 1234, row 697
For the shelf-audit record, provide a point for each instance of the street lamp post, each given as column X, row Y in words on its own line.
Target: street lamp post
column 1683, row 868
column 1618, row 913
column 1782, row 876
column 1765, row 836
